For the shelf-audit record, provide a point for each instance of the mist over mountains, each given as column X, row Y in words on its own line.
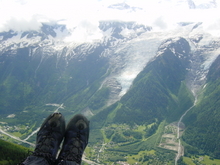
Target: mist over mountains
column 134, row 82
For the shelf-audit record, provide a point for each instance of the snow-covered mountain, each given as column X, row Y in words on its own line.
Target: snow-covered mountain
column 127, row 45
column 109, row 71
column 195, row 4
column 50, row 40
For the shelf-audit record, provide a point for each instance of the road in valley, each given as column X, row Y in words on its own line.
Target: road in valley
column 179, row 152
column 16, row 138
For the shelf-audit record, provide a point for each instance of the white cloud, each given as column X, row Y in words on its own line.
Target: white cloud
column 86, row 31
column 21, row 24
column 82, row 16
column 159, row 22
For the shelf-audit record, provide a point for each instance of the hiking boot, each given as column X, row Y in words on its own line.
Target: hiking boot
column 49, row 138
column 75, row 142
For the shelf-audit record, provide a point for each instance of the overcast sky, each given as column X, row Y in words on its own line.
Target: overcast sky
column 20, row 15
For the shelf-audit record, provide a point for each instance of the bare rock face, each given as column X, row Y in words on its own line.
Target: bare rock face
column 115, row 89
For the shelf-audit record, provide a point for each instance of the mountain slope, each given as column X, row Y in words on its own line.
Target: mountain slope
column 156, row 90
column 37, row 68
column 11, row 154
column 157, row 96
column 157, row 87
column 41, row 74
column 203, row 121
column 28, row 80
column 134, row 85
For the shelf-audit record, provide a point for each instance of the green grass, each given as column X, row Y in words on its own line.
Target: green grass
column 141, row 128
column 157, row 136
column 188, row 161
column 145, row 144
column 201, row 160
column 106, row 140
column 11, row 154
column 207, row 160
column 112, row 115
column 17, row 134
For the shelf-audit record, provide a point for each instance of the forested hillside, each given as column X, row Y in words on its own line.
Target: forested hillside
column 158, row 96
column 135, row 85
column 11, row 154
column 203, row 124
column 28, row 81
column 157, row 90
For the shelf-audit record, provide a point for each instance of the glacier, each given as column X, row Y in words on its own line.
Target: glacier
column 129, row 51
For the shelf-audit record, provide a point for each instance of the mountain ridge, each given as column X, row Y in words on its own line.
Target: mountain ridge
column 131, row 85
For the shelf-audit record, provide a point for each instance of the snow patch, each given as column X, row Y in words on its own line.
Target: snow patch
column 210, row 57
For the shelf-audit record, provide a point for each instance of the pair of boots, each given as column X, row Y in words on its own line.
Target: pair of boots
column 50, row 136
